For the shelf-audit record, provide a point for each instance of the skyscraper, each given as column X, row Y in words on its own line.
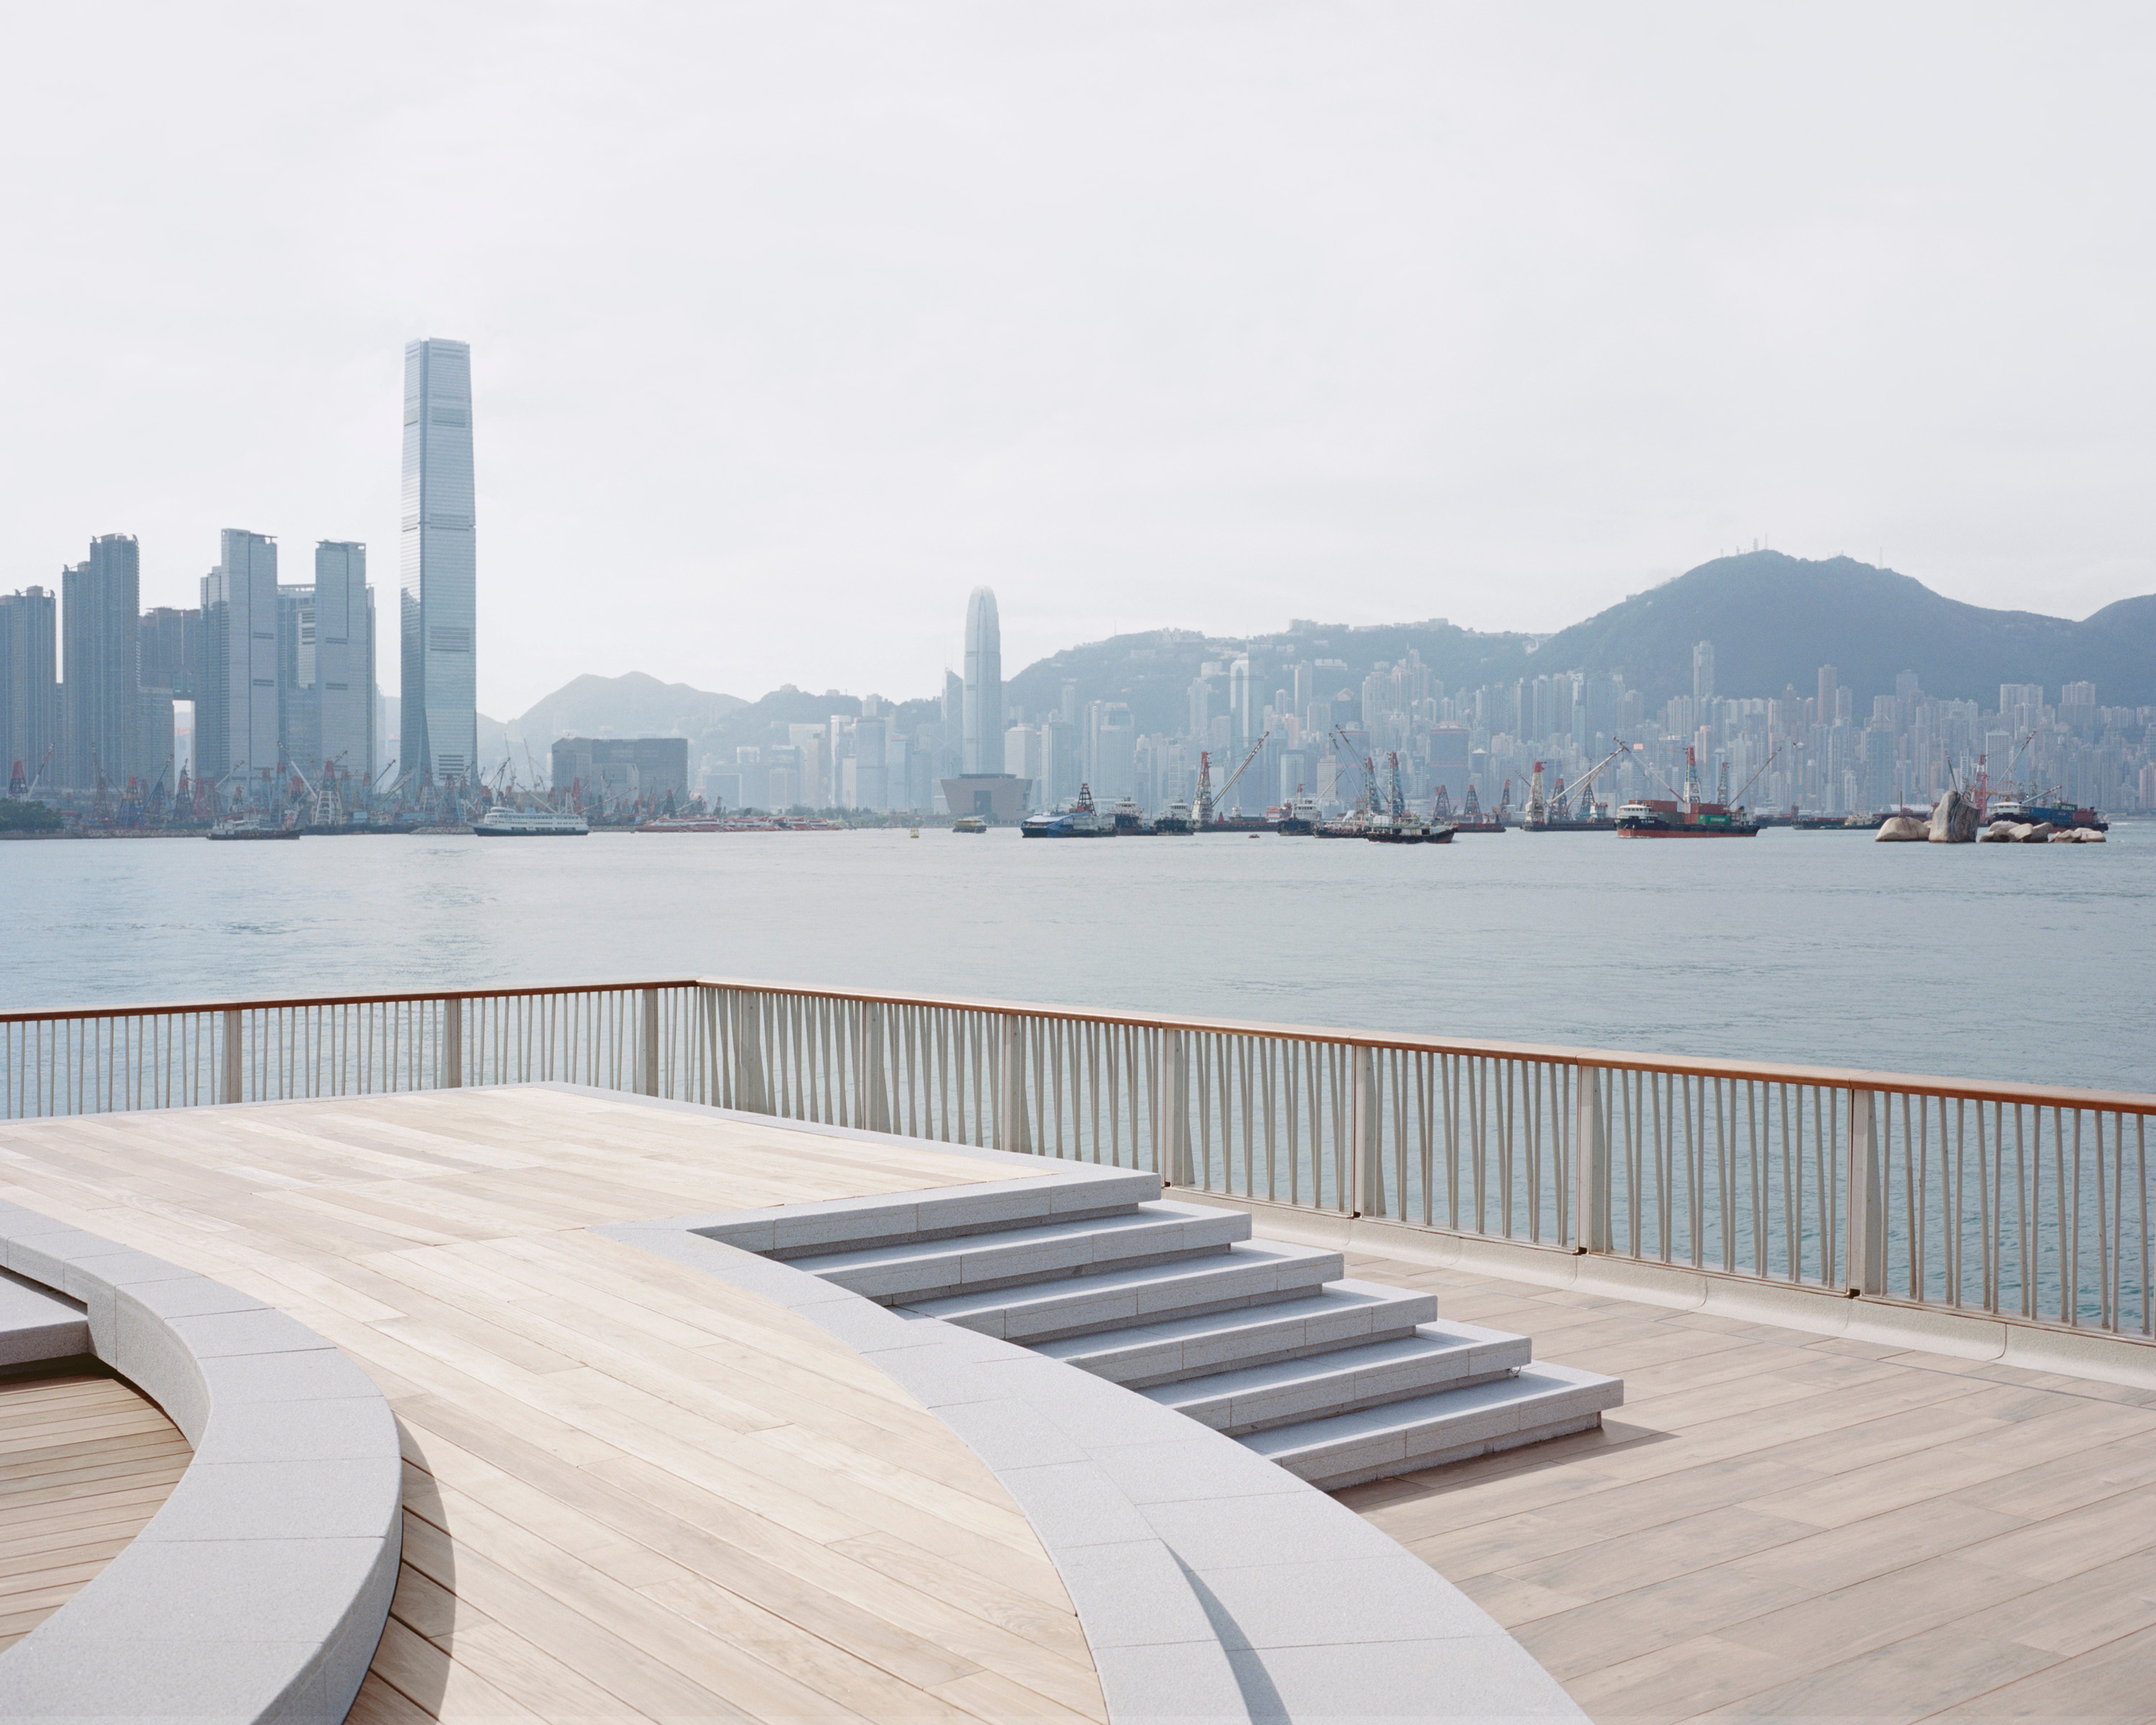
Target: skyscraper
column 439, row 605
column 344, row 658
column 984, row 685
column 238, row 713
column 101, row 664
column 1702, row 670
column 29, row 685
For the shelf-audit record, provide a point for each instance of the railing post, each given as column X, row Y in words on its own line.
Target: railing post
column 876, row 1115
column 1010, row 1109
column 1170, row 1136
column 449, row 1062
column 1867, row 1210
column 232, row 1085
column 747, row 1013
column 1590, row 1164
column 1365, row 1196
column 649, row 1066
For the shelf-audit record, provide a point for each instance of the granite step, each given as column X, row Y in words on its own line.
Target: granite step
column 914, row 1270
column 1252, row 1273
column 1343, row 1314
column 1434, row 1357
column 1541, row 1401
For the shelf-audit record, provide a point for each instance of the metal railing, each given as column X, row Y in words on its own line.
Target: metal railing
column 2027, row 1203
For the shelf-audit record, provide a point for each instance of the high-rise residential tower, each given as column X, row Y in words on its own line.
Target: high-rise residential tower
column 1702, row 670
column 439, row 605
column 237, row 712
column 101, row 664
column 344, row 658
column 29, row 684
column 984, row 685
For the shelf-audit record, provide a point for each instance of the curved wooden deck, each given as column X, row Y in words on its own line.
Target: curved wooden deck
column 631, row 1491
column 85, row 1461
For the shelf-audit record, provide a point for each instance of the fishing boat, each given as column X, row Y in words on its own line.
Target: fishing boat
column 530, row 824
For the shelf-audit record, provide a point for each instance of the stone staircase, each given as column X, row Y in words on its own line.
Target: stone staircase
column 1337, row 1381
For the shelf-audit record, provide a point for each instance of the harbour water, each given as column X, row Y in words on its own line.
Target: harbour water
column 2036, row 964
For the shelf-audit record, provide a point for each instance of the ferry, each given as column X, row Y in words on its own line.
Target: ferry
column 530, row 824
column 1127, row 818
column 969, row 824
column 1080, row 820
column 1175, row 818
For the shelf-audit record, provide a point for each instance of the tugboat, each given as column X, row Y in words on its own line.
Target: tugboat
column 1080, row 820
column 1301, row 815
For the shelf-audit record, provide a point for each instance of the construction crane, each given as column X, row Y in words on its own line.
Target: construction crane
column 1367, row 802
column 1750, row 781
column 38, row 778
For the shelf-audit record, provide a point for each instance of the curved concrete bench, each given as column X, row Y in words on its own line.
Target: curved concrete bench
column 260, row 1588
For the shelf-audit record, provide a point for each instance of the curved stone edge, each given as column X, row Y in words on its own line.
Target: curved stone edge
column 259, row 1591
column 1210, row 1582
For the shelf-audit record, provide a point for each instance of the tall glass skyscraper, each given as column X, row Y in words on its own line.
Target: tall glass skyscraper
column 439, row 603
column 239, row 716
column 984, row 685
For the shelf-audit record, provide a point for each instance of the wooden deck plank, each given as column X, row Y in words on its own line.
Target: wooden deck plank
column 1778, row 1525
column 86, row 1461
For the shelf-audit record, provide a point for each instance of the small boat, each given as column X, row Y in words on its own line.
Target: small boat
column 249, row 829
column 969, row 824
column 530, row 824
column 1175, row 818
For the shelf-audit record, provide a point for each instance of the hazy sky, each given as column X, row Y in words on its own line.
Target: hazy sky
column 792, row 323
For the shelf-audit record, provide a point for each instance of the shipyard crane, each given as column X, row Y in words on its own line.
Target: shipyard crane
column 1369, row 800
column 38, row 778
column 1221, row 795
column 1563, row 799
column 1754, row 779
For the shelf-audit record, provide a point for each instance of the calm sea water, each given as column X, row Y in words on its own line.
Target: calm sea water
column 2027, row 962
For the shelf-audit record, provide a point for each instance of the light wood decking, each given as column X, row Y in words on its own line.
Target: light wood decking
column 632, row 1491
column 1779, row 1525
column 85, row 1461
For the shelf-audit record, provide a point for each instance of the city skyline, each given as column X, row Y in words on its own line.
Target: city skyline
column 1527, row 314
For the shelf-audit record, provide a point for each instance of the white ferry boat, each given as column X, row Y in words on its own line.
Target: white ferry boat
column 530, row 824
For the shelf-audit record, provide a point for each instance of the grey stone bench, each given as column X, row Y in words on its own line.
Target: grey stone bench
column 259, row 1591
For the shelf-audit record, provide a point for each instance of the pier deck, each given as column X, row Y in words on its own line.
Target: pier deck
column 631, row 1491
column 1777, row 1524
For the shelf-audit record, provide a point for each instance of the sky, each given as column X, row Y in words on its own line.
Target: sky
column 792, row 323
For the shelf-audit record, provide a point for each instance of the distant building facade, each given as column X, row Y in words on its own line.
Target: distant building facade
column 438, row 605
column 624, row 768
column 238, row 714
column 101, row 666
column 984, row 749
column 29, row 682
column 344, row 660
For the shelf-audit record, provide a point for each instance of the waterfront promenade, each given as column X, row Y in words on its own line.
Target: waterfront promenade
column 648, row 1474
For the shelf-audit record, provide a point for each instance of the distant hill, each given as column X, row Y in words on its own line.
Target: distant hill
column 1774, row 619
